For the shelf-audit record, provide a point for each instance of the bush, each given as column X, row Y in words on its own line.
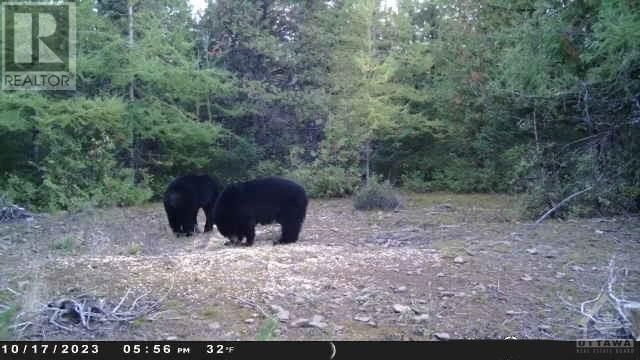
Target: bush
column 415, row 182
column 325, row 182
column 376, row 195
column 267, row 168
column 461, row 176
column 19, row 191
column 534, row 202
column 121, row 191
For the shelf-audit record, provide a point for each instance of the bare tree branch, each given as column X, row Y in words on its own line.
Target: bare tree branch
column 553, row 209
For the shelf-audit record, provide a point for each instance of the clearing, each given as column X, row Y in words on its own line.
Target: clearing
column 460, row 266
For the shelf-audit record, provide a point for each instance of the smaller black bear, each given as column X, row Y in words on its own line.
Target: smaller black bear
column 184, row 197
column 241, row 206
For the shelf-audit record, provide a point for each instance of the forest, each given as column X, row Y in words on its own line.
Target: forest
column 536, row 98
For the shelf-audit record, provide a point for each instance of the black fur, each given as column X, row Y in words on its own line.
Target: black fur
column 184, row 197
column 242, row 206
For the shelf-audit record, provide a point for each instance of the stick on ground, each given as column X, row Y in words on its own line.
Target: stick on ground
column 553, row 209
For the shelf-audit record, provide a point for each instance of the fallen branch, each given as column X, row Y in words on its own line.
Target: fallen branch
column 553, row 209
column 121, row 300
column 10, row 212
column 619, row 304
column 606, row 295
column 88, row 310
column 252, row 305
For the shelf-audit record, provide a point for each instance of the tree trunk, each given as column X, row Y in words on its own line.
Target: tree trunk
column 131, row 89
column 134, row 135
column 209, row 108
column 368, row 162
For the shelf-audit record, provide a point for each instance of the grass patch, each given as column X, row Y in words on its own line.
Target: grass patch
column 137, row 323
column 6, row 296
column 6, row 320
column 135, row 249
column 210, row 312
column 267, row 330
column 67, row 244
column 488, row 201
column 450, row 248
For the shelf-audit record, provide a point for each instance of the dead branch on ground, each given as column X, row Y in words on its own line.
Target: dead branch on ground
column 88, row 311
column 561, row 203
column 592, row 309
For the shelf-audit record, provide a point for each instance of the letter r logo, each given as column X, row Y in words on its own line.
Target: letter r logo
column 24, row 50
column 37, row 36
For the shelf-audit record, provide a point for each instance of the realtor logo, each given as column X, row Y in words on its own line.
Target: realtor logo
column 618, row 347
column 38, row 46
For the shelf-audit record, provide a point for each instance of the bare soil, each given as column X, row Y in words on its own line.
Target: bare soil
column 457, row 264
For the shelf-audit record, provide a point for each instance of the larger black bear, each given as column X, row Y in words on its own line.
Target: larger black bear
column 184, row 197
column 262, row 201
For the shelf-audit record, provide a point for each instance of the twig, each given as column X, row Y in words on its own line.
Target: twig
column 155, row 316
column 52, row 320
column 619, row 303
column 13, row 291
column 553, row 209
column 584, row 304
column 121, row 301
column 133, row 305
column 253, row 305
column 21, row 325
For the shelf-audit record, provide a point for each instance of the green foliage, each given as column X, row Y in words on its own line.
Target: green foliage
column 533, row 97
column 6, row 320
column 268, row 168
column 173, row 144
column 415, row 182
column 67, row 245
column 325, row 181
column 462, row 176
column 376, row 195
column 267, row 329
column 72, row 154
column 119, row 190
column 135, row 249
column 612, row 49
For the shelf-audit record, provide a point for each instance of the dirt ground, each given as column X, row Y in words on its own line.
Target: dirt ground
column 457, row 266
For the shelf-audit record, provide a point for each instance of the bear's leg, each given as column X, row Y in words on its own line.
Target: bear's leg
column 208, row 212
column 190, row 222
column 233, row 241
column 173, row 223
column 180, row 224
column 208, row 225
column 251, row 234
column 290, row 231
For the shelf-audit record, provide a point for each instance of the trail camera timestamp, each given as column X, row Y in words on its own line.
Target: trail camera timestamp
column 176, row 349
column 155, row 349
column 46, row 349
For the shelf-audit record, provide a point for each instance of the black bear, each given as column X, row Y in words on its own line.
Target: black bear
column 241, row 206
column 184, row 197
